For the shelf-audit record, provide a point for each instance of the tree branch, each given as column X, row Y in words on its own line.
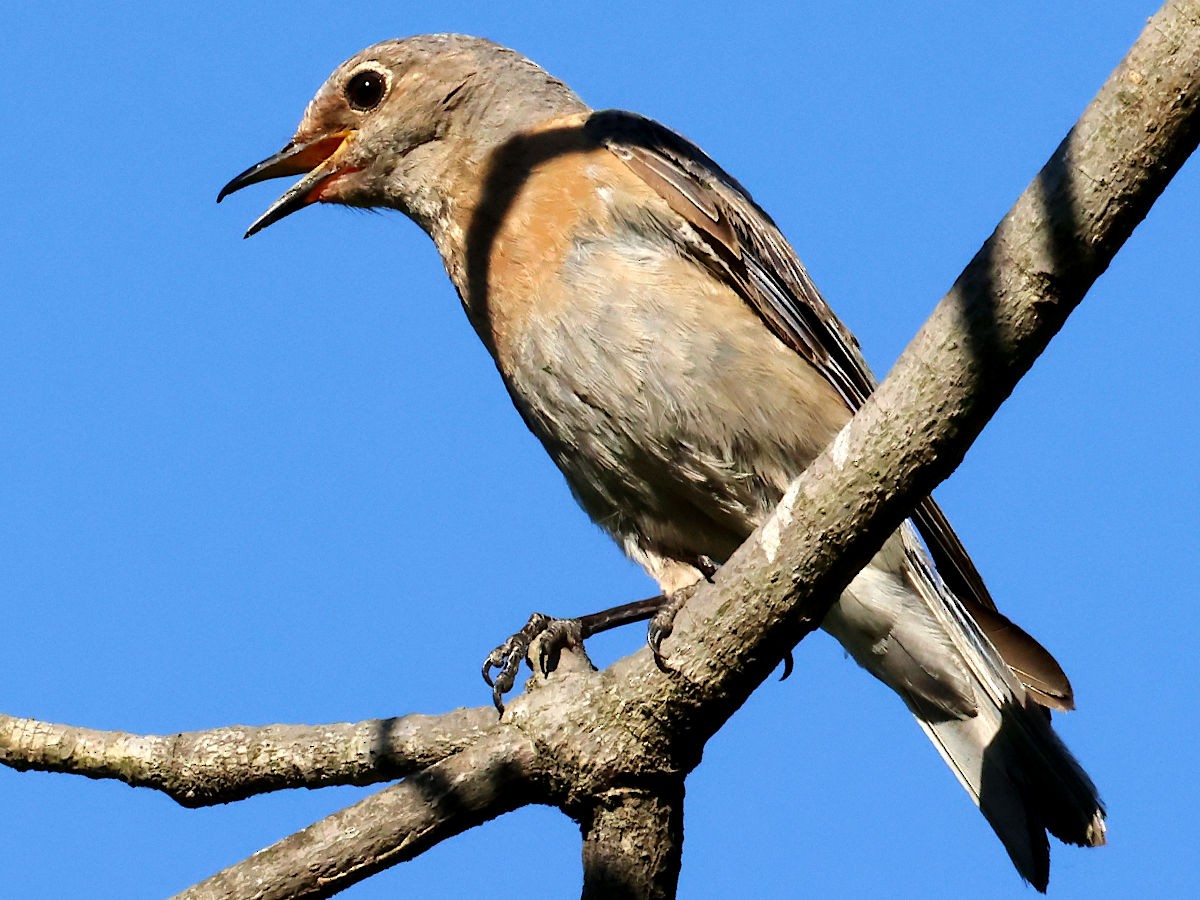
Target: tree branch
column 200, row 768
column 632, row 842
column 396, row 824
column 1003, row 310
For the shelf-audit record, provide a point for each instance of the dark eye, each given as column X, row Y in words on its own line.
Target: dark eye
column 366, row 89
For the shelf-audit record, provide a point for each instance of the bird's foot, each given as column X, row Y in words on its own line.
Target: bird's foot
column 662, row 623
column 540, row 643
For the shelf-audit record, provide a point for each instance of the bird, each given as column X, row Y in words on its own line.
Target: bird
column 661, row 338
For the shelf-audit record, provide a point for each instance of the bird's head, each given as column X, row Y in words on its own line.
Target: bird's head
column 394, row 123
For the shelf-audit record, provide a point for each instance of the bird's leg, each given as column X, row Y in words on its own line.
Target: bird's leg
column 542, row 640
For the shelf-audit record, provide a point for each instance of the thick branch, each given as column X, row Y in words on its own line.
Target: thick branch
column 984, row 335
column 632, row 843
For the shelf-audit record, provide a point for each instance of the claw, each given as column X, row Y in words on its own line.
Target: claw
column 540, row 643
column 708, row 567
column 506, row 662
column 654, row 637
column 663, row 623
column 506, row 659
column 788, row 664
column 546, row 647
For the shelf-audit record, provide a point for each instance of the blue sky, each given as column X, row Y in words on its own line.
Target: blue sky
column 278, row 480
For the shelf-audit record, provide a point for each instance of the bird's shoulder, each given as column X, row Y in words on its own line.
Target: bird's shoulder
column 722, row 226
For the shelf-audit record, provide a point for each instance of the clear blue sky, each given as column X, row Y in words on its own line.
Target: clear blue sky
column 277, row 480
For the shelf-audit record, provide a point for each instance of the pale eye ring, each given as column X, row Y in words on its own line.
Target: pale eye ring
column 365, row 90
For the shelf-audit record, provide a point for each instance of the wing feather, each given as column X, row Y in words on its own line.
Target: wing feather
column 741, row 244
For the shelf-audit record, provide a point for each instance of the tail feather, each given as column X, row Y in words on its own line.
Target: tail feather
column 1017, row 770
column 902, row 623
column 1024, row 781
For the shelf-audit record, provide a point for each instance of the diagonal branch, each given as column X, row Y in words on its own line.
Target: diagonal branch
column 400, row 822
column 1003, row 310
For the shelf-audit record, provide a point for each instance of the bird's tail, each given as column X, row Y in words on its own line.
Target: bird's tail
column 1024, row 781
column 984, row 709
column 1007, row 756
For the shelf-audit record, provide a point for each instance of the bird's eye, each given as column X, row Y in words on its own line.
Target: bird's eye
column 366, row 89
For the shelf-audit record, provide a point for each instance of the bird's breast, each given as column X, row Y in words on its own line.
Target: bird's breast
column 675, row 414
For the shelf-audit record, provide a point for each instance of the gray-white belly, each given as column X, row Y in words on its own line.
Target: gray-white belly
column 677, row 418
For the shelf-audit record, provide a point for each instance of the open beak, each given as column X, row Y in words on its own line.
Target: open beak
column 317, row 161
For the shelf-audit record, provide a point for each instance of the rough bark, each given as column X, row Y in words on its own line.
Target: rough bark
column 201, row 768
column 612, row 748
column 632, row 842
column 396, row 824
